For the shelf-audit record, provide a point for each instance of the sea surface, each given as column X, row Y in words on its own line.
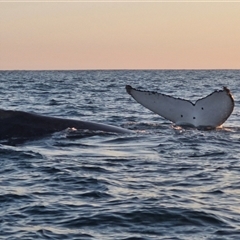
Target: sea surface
column 161, row 182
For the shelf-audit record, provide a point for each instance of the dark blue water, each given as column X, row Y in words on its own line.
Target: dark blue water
column 161, row 182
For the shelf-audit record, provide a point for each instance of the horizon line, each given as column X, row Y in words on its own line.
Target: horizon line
column 125, row 69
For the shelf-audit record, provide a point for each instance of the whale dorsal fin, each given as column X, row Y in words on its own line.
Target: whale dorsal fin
column 211, row 111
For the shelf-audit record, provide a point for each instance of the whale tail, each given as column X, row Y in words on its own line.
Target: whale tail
column 208, row 112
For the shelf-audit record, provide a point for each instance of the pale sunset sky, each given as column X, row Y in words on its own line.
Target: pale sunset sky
column 72, row 35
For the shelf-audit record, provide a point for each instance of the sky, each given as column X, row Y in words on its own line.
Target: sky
column 119, row 35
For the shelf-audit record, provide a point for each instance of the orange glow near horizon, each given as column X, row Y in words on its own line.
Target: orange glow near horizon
column 157, row 35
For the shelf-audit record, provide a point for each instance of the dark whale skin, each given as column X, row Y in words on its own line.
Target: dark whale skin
column 19, row 124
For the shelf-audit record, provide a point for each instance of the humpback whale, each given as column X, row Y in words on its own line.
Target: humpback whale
column 19, row 124
column 208, row 112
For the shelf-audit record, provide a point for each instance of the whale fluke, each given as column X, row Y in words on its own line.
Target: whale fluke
column 208, row 112
column 19, row 124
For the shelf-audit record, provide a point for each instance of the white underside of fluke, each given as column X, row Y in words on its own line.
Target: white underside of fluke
column 211, row 111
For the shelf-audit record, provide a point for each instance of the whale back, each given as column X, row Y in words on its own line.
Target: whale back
column 19, row 124
column 211, row 111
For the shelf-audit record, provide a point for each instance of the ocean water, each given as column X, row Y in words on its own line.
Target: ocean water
column 161, row 182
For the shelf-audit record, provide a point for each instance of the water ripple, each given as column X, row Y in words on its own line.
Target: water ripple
column 162, row 182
